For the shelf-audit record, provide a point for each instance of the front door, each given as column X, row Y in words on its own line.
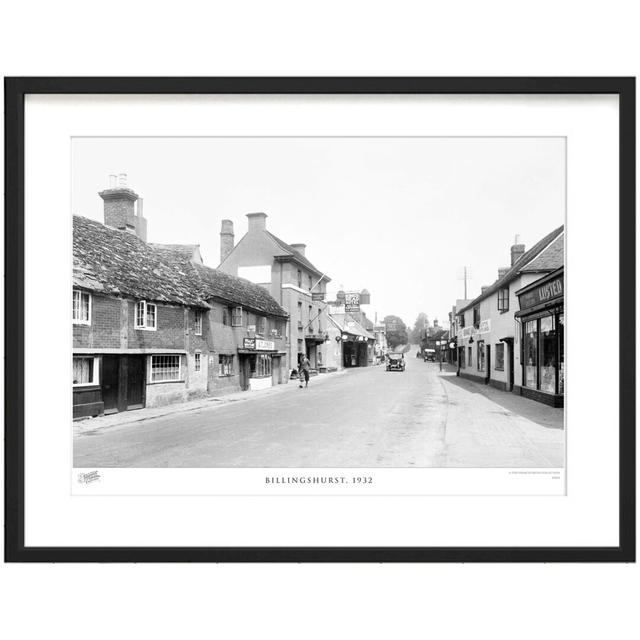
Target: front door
column 488, row 363
column 244, row 372
column 511, row 364
column 110, row 382
column 135, row 382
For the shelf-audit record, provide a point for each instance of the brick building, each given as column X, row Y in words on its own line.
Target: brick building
column 153, row 325
column 292, row 280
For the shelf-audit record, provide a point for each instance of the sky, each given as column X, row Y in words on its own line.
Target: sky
column 400, row 217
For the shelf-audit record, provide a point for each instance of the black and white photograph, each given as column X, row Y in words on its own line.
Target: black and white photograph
column 318, row 302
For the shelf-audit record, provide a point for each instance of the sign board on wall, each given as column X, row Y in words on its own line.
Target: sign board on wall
column 317, row 296
column 544, row 293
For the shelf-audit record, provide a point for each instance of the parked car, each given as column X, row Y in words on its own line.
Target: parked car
column 395, row 362
column 429, row 355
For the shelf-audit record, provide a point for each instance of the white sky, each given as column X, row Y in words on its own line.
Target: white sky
column 398, row 216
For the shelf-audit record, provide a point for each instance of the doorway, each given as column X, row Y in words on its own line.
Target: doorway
column 135, row 382
column 109, row 383
column 488, row 363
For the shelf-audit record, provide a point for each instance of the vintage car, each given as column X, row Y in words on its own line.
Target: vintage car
column 429, row 355
column 395, row 362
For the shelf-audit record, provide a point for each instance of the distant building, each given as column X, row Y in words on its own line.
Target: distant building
column 512, row 335
column 291, row 279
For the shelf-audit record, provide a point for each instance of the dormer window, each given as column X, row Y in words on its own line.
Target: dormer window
column 146, row 316
column 81, row 307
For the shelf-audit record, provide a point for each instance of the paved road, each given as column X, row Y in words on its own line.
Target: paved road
column 363, row 418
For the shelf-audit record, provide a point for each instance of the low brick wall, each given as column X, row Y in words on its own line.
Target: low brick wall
column 550, row 399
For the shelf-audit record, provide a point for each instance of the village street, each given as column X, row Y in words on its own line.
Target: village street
column 365, row 417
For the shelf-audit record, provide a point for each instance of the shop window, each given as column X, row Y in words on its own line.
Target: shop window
column 146, row 315
column 548, row 348
column 476, row 316
column 165, row 368
column 85, row 371
column 198, row 323
column 225, row 365
column 236, row 318
column 197, row 362
column 531, row 354
column 499, row 350
column 561, row 353
column 480, row 356
column 261, row 366
column 503, row 299
column 81, row 307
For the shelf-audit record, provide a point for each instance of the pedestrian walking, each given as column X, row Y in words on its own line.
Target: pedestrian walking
column 304, row 367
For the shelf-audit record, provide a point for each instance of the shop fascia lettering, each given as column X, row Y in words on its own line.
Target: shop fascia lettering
column 468, row 332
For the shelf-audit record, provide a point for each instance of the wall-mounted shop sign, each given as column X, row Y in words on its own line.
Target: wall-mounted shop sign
column 317, row 296
column 351, row 302
column 258, row 345
column 543, row 293
column 483, row 327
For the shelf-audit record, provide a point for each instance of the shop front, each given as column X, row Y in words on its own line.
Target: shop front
column 260, row 364
column 541, row 320
column 354, row 350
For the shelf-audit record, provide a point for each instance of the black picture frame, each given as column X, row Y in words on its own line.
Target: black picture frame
column 15, row 91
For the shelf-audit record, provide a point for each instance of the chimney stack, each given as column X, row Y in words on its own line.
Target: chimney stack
column 257, row 221
column 120, row 207
column 502, row 272
column 300, row 248
column 517, row 251
column 227, row 239
column 483, row 288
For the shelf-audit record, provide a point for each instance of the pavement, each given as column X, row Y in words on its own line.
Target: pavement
column 366, row 417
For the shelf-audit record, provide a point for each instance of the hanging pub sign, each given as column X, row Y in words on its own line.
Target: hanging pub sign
column 351, row 302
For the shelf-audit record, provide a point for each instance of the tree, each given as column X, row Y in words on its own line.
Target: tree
column 419, row 328
column 396, row 331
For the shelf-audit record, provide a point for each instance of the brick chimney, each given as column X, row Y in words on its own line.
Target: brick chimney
column 227, row 239
column 300, row 248
column 120, row 207
column 257, row 221
column 517, row 251
column 502, row 272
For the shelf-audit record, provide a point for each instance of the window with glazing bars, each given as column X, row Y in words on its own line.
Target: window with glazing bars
column 198, row 323
column 503, row 300
column 197, row 361
column 164, row 368
column 236, row 318
column 81, row 307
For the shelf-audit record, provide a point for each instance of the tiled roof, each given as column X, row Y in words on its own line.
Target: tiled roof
column 288, row 250
column 119, row 263
column 550, row 259
column 188, row 250
column 218, row 284
column 349, row 324
column 521, row 265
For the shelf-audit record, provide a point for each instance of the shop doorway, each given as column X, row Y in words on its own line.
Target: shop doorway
column 135, row 382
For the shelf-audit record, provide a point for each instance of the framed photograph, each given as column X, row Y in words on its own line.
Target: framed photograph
column 320, row 319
